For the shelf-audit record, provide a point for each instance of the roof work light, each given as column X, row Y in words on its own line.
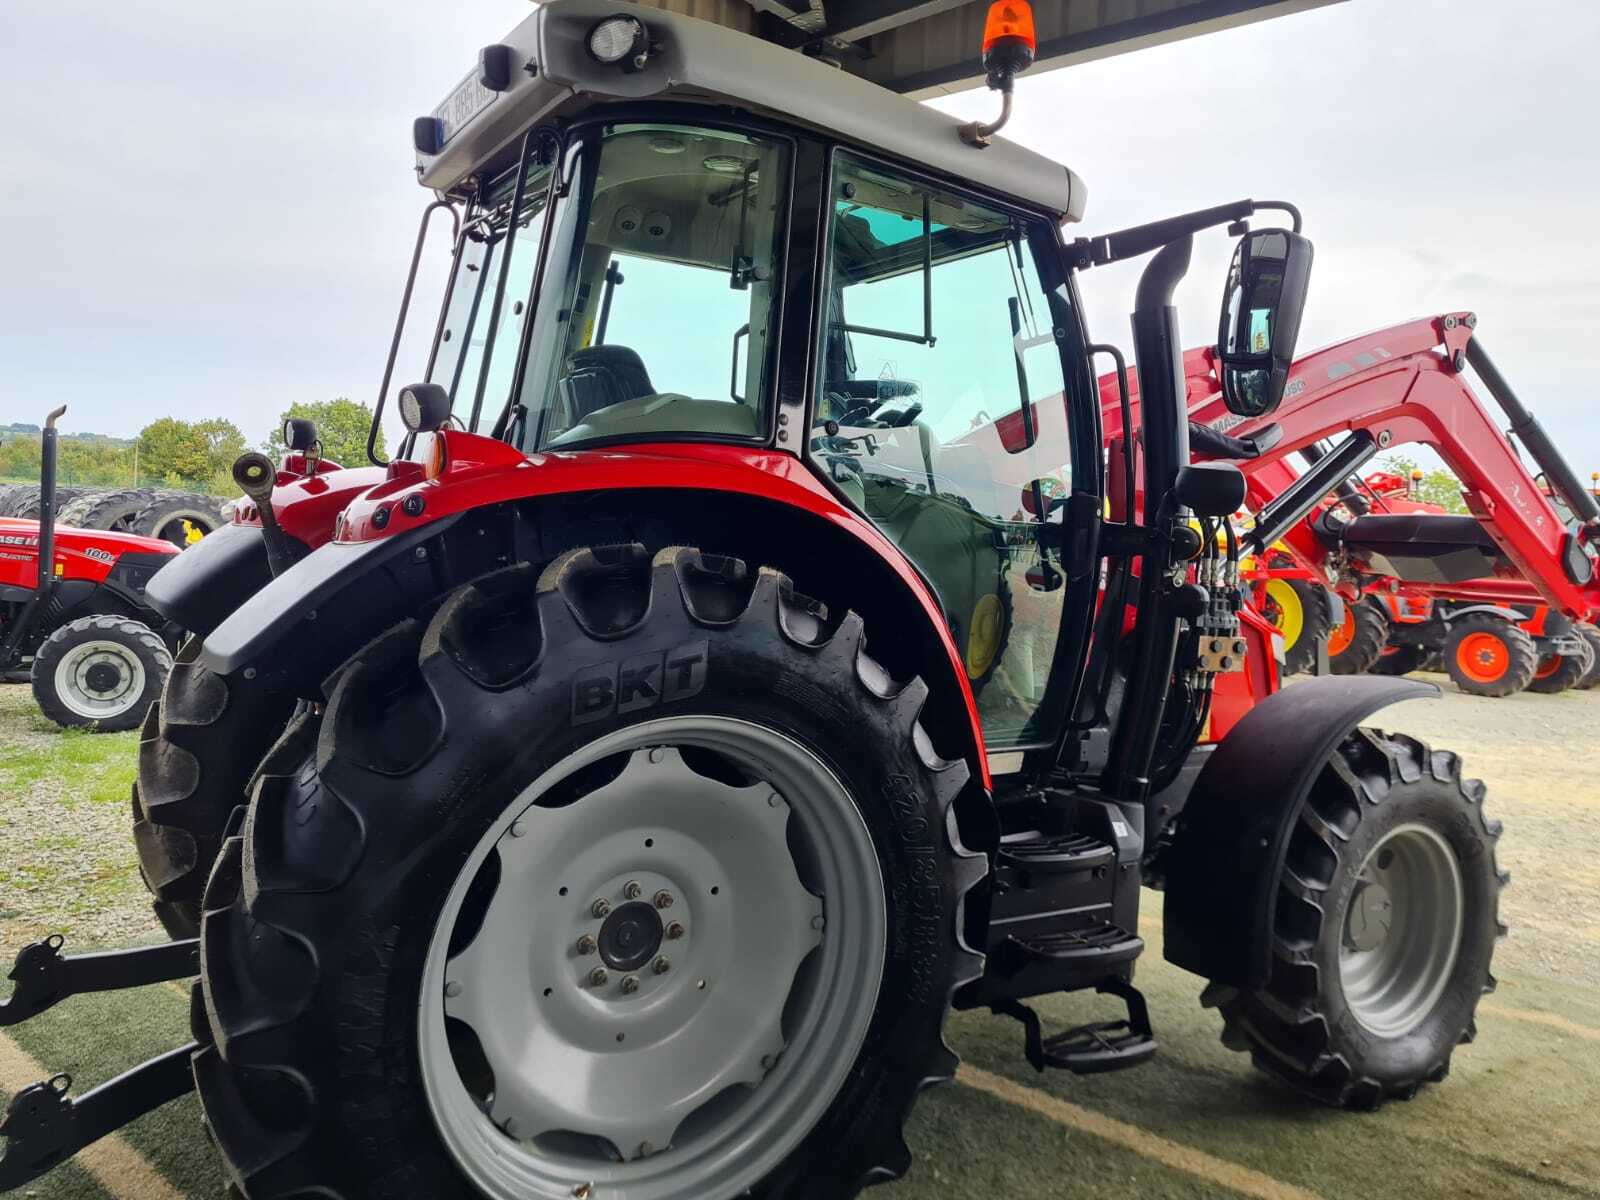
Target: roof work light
column 619, row 41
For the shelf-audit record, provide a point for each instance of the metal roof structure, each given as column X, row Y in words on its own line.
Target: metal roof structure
column 928, row 47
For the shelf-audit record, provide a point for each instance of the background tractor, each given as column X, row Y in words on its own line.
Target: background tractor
column 80, row 629
column 738, row 667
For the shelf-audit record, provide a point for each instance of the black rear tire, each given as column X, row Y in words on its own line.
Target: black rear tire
column 173, row 516
column 1400, row 660
column 1300, row 1026
column 200, row 744
column 1316, row 622
column 1562, row 672
column 318, row 918
column 109, row 510
column 1487, row 655
column 109, row 690
column 1368, row 632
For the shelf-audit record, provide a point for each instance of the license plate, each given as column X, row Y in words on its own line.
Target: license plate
column 468, row 100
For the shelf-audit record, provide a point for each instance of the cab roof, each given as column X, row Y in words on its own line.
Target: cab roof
column 553, row 75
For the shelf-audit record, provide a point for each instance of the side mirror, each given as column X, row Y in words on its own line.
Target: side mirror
column 299, row 434
column 1261, row 309
column 1211, row 489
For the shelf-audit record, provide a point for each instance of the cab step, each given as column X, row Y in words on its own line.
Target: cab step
column 1088, row 1049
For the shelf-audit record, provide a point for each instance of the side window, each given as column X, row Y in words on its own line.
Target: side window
column 942, row 412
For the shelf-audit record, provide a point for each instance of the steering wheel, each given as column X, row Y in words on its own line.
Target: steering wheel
column 901, row 418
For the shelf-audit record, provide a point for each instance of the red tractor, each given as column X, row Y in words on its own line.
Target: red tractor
column 82, row 633
column 736, row 669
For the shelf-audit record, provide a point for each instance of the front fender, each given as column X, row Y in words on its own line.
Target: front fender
column 1222, row 871
column 199, row 588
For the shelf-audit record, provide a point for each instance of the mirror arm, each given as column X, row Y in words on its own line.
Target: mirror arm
column 1141, row 239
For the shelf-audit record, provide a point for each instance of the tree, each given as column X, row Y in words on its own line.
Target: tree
column 190, row 454
column 342, row 426
column 1438, row 486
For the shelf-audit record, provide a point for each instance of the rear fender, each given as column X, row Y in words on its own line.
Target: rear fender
column 1222, row 871
column 378, row 561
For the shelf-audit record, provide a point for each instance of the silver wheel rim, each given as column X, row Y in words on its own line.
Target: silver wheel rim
column 1402, row 930
column 734, row 1048
column 99, row 679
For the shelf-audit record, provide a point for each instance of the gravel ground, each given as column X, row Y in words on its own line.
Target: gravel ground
column 1540, row 756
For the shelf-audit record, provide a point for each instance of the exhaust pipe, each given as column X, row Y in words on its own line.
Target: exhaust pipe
column 47, row 505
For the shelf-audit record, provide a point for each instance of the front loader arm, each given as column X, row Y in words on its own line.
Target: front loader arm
column 1405, row 385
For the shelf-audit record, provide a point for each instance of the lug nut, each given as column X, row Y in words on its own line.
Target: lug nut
column 630, row 984
column 601, row 907
column 632, row 890
column 599, row 977
column 674, row 931
column 663, row 899
column 586, row 945
column 661, row 965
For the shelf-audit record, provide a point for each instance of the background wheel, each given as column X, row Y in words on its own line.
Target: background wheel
column 1559, row 672
column 1358, row 643
column 1487, row 655
column 178, row 518
column 111, row 510
column 102, row 672
column 458, row 908
column 27, row 506
column 1385, row 924
column 1591, row 635
column 1303, row 612
column 1400, row 660
column 200, row 743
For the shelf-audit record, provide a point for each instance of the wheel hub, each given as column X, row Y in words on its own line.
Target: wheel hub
column 102, row 677
column 1371, row 911
column 1402, row 930
column 99, row 679
column 631, row 936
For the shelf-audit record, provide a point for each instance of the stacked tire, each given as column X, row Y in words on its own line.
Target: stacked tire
column 175, row 516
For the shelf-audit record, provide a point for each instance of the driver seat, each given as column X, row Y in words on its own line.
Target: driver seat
column 599, row 376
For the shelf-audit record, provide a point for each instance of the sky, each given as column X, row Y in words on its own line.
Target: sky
column 209, row 209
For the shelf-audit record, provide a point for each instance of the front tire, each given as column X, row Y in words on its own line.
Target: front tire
column 408, row 909
column 1386, row 919
column 1356, row 646
column 101, row 672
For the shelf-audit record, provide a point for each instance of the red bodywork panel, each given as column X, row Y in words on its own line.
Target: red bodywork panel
column 481, row 471
column 308, row 506
column 79, row 554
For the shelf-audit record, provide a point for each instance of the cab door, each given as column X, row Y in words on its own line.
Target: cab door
column 945, row 357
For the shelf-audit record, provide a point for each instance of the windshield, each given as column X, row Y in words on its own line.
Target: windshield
column 659, row 307
column 482, row 329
